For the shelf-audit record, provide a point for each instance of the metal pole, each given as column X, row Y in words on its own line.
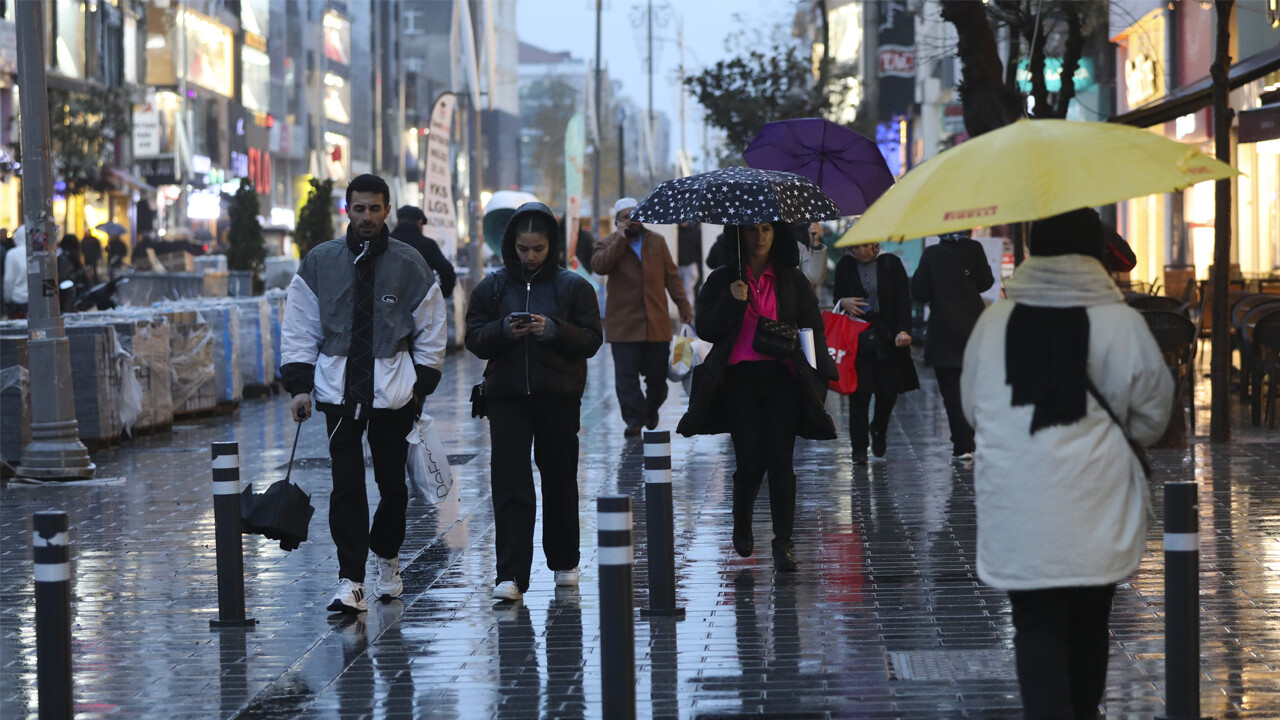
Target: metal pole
column 226, row 523
column 622, row 157
column 595, row 172
column 55, row 451
column 476, row 222
column 660, row 527
column 648, row 118
column 53, row 612
column 617, row 624
column 1181, row 601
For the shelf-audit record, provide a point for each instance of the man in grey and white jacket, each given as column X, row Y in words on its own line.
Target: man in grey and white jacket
column 363, row 337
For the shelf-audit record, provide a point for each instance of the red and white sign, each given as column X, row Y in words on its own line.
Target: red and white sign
column 897, row 61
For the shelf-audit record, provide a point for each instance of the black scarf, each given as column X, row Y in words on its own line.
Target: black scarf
column 1046, row 362
column 359, row 375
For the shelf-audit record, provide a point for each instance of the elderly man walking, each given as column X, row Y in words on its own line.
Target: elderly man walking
column 636, row 324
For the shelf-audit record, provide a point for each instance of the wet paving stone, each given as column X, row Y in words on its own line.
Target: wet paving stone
column 886, row 618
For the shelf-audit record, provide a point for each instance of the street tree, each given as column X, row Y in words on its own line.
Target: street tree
column 315, row 217
column 247, row 250
column 743, row 93
column 1220, row 351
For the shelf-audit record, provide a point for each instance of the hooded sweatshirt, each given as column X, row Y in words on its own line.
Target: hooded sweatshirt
column 556, row 363
column 15, row 269
column 1067, row 505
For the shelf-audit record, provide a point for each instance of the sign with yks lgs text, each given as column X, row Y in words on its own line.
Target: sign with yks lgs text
column 437, row 195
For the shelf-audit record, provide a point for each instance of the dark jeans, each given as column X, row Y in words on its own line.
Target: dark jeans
column 764, row 408
column 1060, row 635
column 875, row 377
column 961, row 432
column 630, row 361
column 549, row 424
column 349, row 503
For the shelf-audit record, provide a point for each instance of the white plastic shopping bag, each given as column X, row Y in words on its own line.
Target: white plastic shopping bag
column 428, row 466
column 682, row 359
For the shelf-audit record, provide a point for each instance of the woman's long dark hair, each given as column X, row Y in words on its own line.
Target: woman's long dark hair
column 783, row 253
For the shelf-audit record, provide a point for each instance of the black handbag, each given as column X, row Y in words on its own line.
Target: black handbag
column 775, row 338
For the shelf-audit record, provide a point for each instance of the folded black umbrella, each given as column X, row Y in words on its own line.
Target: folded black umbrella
column 281, row 513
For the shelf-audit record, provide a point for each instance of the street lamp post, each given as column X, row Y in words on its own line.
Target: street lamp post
column 55, row 451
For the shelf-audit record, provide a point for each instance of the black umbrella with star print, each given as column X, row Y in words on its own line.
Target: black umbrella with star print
column 736, row 196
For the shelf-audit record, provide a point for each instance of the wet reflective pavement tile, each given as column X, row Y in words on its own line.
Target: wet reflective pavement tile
column 885, row 619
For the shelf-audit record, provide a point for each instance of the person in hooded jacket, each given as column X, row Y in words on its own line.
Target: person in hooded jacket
column 536, row 324
column 763, row 402
column 951, row 278
column 15, row 275
column 1056, row 382
column 872, row 286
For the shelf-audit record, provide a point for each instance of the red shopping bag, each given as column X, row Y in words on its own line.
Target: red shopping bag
column 842, row 342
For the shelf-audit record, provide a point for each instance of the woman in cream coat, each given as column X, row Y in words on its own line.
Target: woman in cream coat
column 1062, row 502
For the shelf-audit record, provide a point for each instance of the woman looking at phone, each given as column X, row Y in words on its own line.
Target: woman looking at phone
column 873, row 287
column 536, row 324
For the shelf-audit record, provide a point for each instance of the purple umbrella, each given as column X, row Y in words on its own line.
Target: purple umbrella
column 846, row 165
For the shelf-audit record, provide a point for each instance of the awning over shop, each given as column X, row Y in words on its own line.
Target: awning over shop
column 1190, row 98
column 131, row 180
column 1260, row 124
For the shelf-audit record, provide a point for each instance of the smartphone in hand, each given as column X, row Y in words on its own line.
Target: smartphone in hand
column 521, row 318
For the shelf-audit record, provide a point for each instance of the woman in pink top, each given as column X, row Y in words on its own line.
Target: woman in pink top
column 764, row 402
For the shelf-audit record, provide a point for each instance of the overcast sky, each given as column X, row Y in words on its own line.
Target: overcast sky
column 559, row 25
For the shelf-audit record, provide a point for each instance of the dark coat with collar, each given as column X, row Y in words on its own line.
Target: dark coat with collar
column 895, row 311
column 951, row 277
column 718, row 321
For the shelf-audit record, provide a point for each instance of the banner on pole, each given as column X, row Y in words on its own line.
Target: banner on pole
column 574, row 142
column 437, row 197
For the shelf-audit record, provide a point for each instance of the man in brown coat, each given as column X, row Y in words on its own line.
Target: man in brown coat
column 636, row 324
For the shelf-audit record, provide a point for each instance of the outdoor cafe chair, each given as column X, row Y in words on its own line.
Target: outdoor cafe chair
column 1175, row 335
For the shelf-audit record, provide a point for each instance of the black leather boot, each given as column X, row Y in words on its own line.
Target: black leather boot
column 744, row 500
column 782, row 506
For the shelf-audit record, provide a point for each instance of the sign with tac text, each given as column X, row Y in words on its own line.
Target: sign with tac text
column 437, row 196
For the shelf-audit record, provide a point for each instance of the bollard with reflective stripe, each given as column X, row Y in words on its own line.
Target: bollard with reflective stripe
column 617, row 622
column 52, row 555
column 1181, row 601
column 230, row 551
column 660, row 526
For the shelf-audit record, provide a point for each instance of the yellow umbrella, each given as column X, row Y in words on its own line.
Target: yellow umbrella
column 1028, row 170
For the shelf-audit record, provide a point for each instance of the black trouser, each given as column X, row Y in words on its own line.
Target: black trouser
column 875, row 377
column 961, row 432
column 630, row 361
column 548, row 423
column 1061, row 642
column 349, row 503
column 764, row 412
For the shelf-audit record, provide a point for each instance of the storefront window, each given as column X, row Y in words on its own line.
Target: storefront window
column 254, row 16
column 337, row 99
column 257, row 79
column 69, row 46
column 337, row 156
column 208, row 53
column 337, row 38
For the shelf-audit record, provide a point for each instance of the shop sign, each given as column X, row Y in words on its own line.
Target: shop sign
column 1083, row 77
column 953, row 118
column 157, row 171
column 337, row 38
column 1144, row 63
column 897, row 61
column 1260, row 124
column 146, row 133
column 255, row 165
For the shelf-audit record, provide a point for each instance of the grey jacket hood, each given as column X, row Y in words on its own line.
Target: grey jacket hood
column 509, row 256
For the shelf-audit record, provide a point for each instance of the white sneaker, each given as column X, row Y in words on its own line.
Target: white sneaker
column 567, row 578
column 963, row 457
column 389, row 585
column 507, row 590
column 349, row 598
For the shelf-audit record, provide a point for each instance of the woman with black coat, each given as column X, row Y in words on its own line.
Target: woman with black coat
column 873, row 287
column 763, row 402
column 536, row 323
